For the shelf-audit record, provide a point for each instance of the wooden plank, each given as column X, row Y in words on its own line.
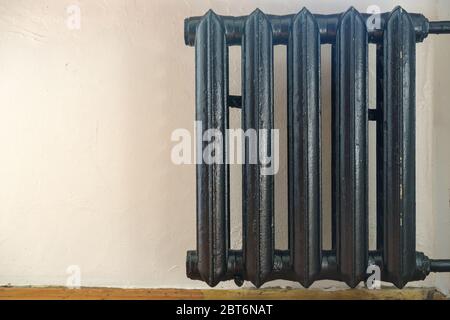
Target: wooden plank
column 58, row 293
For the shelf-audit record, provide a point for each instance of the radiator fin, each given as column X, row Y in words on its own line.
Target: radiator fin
column 257, row 111
column 304, row 169
column 399, row 148
column 350, row 170
column 212, row 178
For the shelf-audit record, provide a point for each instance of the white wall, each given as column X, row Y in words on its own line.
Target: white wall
column 85, row 123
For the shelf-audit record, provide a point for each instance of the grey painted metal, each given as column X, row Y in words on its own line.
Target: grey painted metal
column 257, row 115
column 350, row 116
column 327, row 23
column 399, row 202
column 439, row 27
column 305, row 261
column 304, row 175
column 212, row 185
column 441, row 265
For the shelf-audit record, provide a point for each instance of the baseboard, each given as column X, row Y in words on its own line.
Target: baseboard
column 59, row 293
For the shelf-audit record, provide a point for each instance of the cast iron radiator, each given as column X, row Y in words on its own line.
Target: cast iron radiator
column 305, row 261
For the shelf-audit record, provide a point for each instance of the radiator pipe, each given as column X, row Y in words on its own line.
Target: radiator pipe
column 439, row 27
column 327, row 26
column 440, row 265
column 329, row 268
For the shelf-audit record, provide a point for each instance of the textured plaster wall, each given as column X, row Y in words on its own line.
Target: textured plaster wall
column 85, row 123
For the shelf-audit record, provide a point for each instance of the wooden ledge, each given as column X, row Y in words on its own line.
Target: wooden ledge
column 58, row 293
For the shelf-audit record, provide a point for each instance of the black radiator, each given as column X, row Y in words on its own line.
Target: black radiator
column 305, row 261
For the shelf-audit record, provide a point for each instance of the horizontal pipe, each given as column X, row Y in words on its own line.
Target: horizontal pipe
column 440, row 265
column 282, row 268
column 234, row 27
column 439, row 27
column 236, row 270
column 372, row 114
column 235, row 101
